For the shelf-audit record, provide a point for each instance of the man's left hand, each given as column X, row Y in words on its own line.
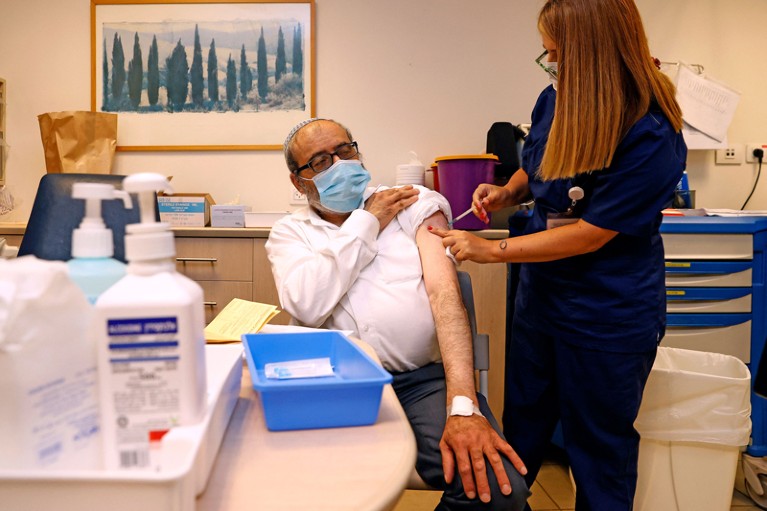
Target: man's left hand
column 465, row 246
column 466, row 443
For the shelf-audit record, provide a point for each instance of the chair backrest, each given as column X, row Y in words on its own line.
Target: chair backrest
column 55, row 214
column 481, row 342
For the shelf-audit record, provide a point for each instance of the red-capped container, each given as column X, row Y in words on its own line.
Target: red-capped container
column 459, row 176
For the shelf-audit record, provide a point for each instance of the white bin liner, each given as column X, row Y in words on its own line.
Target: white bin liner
column 696, row 396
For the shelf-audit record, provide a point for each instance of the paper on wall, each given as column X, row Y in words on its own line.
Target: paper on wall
column 696, row 139
column 707, row 105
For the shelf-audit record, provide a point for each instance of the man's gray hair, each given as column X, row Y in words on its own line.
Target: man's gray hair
column 288, row 145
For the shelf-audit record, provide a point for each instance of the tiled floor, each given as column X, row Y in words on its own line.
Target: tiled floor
column 552, row 491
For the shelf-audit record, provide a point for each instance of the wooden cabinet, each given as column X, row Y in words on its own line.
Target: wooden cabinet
column 222, row 266
column 264, row 289
column 228, row 268
column 12, row 240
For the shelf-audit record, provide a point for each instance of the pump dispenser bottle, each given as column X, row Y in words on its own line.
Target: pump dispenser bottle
column 92, row 267
column 151, row 345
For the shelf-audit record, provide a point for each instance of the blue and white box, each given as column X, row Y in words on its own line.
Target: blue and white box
column 185, row 209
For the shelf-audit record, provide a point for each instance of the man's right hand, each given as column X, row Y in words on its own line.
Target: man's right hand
column 387, row 203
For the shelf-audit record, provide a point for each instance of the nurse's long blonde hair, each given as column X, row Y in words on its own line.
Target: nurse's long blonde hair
column 606, row 82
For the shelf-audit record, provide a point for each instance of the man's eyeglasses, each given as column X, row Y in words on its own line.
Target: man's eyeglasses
column 550, row 70
column 323, row 161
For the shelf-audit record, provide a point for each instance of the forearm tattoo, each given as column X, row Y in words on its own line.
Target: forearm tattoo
column 502, row 244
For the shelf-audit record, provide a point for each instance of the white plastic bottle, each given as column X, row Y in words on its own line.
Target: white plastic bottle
column 92, row 266
column 151, row 345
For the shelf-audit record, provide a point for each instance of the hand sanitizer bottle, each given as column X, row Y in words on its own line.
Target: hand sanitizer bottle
column 151, row 345
column 92, row 267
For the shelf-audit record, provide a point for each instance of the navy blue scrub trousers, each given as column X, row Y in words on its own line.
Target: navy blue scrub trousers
column 595, row 394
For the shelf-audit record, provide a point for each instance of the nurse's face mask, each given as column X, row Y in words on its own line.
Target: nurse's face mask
column 549, row 67
column 341, row 184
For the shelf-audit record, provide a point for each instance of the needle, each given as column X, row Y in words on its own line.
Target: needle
column 450, row 224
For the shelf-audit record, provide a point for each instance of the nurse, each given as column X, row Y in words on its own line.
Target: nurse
column 602, row 159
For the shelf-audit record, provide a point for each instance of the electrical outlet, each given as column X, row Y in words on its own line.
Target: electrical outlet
column 297, row 198
column 731, row 155
column 750, row 158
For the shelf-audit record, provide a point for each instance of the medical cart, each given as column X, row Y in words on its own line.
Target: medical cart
column 716, row 290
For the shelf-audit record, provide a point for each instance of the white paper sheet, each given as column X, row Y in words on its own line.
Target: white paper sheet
column 696, row 139
column 707, row 105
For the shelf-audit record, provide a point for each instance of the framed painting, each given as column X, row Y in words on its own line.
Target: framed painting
column 197, row 75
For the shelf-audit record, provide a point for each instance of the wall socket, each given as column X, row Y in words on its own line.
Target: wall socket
column 297, row 198
column 750, row 158
column 731, row 155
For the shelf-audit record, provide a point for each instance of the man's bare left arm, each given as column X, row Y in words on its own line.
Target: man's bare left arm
column 466, row 441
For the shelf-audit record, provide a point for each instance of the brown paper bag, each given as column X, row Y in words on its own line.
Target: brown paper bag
column 78, row 142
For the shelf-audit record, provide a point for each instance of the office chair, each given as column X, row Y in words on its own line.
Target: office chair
column 55, row 214
column 481, row 344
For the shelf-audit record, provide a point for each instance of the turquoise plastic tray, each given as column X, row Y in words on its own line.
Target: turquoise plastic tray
column 351, row 397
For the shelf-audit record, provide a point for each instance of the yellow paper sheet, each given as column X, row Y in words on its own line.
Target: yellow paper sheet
column 237, row 318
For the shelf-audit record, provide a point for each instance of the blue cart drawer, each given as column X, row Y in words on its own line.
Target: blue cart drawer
column 709, row 273
column 708, row 246
column 708, row 299
column 729, row 334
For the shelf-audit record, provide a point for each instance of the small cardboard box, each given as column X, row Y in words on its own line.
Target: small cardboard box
column 228, row 215
column 185, row 209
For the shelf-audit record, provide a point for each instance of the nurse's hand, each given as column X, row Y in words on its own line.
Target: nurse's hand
column 487, row 198
column 465, row 246
column 466, row 444
column 387, row 203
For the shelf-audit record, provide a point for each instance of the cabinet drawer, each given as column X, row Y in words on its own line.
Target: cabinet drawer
column 708, row 300
column 215, row 258
column 708, row 246
column 708, row 273
column 727, row 337
column 12, row 240
column 217, row 294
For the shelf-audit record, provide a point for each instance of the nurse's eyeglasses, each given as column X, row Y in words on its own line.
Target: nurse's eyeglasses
column 323, row 161
column 549, row 70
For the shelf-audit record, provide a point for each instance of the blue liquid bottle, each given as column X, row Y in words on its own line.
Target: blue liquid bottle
column 92, row 266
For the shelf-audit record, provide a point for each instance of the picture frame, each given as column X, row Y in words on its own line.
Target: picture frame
column 152, row 62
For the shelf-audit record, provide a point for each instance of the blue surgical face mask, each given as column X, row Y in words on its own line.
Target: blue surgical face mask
column 342, row 186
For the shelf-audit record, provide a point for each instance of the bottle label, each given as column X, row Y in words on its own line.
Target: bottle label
column 144, row 359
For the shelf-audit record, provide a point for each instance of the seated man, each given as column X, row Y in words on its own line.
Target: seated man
column 364, row 260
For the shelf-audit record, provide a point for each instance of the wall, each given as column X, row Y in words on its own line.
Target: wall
column 427, row 75
column 729, row 40
column 430, row 76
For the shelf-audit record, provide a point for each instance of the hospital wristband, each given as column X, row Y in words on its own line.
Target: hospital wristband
column 464, row 407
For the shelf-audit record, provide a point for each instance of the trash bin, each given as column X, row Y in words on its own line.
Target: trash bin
column 695, row 416
column 458, row 177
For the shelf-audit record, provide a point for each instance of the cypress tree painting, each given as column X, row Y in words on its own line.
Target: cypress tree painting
column 203, row 73
column 118, row 73
column 177, row 78
column 196, row 71
column 298, row 53
column 279, row 63
column 212, row 72
column 135, row 75
column 153, row 74
column 184, row 86
column 261, row 69
column 231, row 83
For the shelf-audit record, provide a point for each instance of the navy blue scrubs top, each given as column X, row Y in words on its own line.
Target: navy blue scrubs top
column 612, row 299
